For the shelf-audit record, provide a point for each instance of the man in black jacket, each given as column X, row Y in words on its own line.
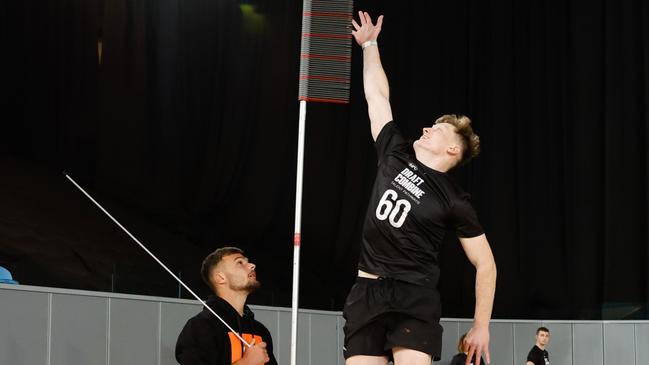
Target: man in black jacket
column 205, row 340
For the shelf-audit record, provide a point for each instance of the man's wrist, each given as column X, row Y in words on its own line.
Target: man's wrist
column 481, row 323
column 369, row 43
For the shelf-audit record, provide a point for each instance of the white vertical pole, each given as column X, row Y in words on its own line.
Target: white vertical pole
column 296, row 237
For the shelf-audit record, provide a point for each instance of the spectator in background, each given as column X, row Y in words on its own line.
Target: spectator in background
column 538, row 354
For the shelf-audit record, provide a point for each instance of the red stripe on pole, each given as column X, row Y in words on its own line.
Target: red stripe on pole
column 296, row 239
column 329, row 14
column 323, row 100
column 324, row 57
column 326, row 35
column 324, row 78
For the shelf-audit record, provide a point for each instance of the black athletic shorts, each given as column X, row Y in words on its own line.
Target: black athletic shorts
column 385, row 313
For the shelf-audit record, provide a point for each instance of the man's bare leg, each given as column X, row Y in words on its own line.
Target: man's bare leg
column 367, row 360
column 404, row 356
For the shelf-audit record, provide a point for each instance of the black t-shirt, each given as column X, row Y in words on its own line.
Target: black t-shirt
column 411, row 208
column 538, row 356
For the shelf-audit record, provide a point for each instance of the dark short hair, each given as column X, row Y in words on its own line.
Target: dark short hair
column 213, row 259
column 542, row 329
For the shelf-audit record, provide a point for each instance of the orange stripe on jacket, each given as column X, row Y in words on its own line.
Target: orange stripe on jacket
column 237, row 348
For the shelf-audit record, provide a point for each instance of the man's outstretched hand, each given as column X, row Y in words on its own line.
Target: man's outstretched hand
column 366, row 31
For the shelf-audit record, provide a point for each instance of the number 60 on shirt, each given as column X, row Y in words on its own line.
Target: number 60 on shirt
column 392, row 209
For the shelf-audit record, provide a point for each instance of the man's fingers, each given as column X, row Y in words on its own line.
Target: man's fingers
column 379, row 22
column 469, row 356
column 362, row 17
column 477, row 356
column 356, row 26
column 488, row 356
column 368, row 18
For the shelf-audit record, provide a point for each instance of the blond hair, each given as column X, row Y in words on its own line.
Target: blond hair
column 470, row 140
column 460, row 344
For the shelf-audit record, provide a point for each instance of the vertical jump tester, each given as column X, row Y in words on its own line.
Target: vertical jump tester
column 325, row 64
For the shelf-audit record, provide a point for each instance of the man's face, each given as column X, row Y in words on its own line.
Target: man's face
column 238, row 272
column 438, row 138
column 542, row 338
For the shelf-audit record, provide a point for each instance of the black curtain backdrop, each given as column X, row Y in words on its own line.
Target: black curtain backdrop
column 187, row 132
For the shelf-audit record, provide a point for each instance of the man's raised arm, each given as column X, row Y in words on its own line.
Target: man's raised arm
column 375, row 82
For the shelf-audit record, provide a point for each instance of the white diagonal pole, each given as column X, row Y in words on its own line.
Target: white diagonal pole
column 156, row 259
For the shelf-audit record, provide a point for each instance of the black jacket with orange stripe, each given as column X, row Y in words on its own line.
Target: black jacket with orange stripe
column 206, row 341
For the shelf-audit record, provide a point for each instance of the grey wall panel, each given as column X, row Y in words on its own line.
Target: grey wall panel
column 641, row 343
column 587, row 344
column 501, row 346
column 270, row 319
column 134, row 332
column 463, row 327
column 449, row 341
column 173, row 317
column 560, row 345
column 78, row 330
column 24, row 327
column 88, row 327
column 324, row 339
column 283, row 352
column 303, row 339
column 524, row 339
column 619, row 346
column 341, row 339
